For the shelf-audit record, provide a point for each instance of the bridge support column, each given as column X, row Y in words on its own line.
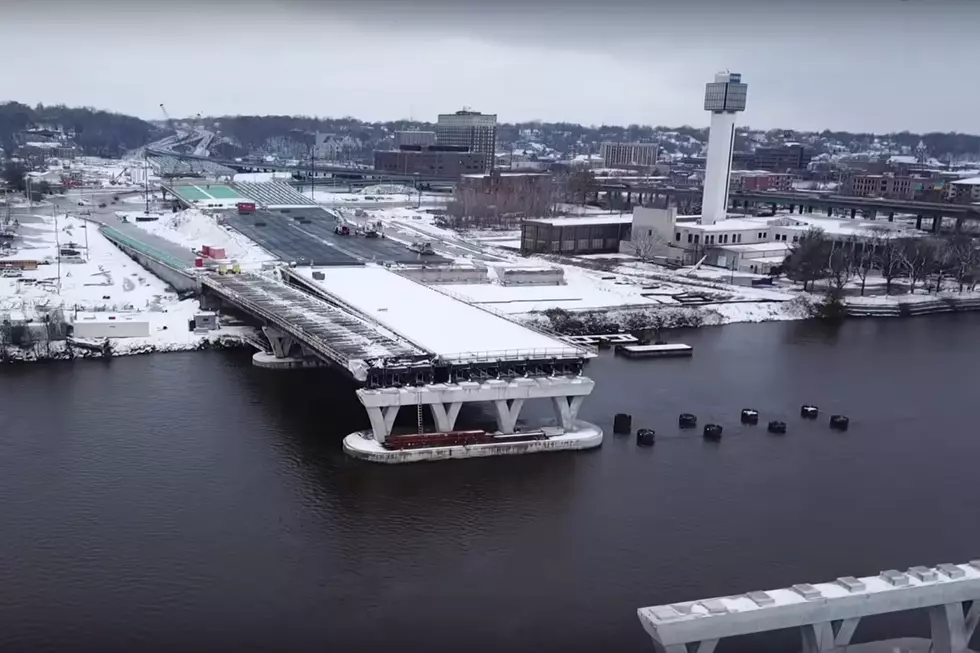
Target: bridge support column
column 445, row 418
column 951, row 629
column 281, row 342
column 828, row 635
column 830, row 211
column 508, row 410
column 853, row 213
column 809, row 209
column 891, row 216
column 918, row 222
column 382, row 421
column 936, row 223
column 959, row 225
column 566, row 410
column 704, row 646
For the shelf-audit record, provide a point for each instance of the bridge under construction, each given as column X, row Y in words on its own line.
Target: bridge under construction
column 410, row 345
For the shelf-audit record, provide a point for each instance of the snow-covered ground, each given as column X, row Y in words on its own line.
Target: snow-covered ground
column 381, row 195
column 192, row 229
column 99, row 278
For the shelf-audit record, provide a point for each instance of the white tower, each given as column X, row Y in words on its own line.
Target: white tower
column 723, row 98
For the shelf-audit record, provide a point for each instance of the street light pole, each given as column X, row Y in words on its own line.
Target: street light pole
column 57, row 244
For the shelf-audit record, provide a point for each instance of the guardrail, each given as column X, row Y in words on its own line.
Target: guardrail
column 513, row 355
column 160, row 256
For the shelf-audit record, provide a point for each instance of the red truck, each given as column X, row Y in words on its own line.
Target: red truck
column 245, row 208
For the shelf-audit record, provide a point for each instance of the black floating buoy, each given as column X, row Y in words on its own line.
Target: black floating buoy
column 808, row 411
column 777, row 427
column 750, row 416
column 712, row 432
column 839, row 422
column 645, row 437
column 687, row 421
column 622, row 424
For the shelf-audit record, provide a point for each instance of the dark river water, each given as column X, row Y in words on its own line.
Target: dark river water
column 193, row 502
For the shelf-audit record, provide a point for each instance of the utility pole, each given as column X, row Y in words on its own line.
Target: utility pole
column 57, row 244
column 146, row 182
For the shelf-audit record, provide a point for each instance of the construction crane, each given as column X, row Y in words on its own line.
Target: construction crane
column 170, row 121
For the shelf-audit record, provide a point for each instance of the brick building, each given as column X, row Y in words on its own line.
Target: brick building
column 498, row 194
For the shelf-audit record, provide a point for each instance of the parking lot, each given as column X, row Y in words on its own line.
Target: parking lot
column 306, row 236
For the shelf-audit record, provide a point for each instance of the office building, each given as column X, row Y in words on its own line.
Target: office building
column 430, row 162
column 724, row 98
column 503, row 194
column 782, row 158
column 471, row 129
column 758, row 180
column 414, row 137
column 629, row 155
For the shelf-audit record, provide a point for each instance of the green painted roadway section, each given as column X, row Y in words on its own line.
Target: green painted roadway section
column 153, row 246
column 193, row 193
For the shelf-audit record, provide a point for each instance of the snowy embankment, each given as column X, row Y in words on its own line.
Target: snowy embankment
column 193, row 229
column 93, row 277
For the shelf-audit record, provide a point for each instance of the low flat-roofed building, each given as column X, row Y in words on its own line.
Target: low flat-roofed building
column 587, row 235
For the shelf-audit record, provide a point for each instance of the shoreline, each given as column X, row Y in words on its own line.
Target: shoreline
column 62, row 351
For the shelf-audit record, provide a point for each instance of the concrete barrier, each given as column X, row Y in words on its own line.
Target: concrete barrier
column 449, row 274
column 159, row 264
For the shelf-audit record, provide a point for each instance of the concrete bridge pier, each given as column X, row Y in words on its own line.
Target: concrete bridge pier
column 446, row 399
column 937, row 222
column 853, row 213
column 282, row 343
column 951, row 628
column 918, row 222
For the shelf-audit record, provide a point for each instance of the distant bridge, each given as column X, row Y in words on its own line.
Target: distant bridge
column 303, row 169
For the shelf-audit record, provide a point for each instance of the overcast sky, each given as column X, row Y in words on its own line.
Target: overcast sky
column 869, row 65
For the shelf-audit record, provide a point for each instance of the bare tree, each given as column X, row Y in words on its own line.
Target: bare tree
column 647, row 245
column 917, row 256
column 944, row 259
column 867, row 257
column 581, row 184
column 840, row 265
column 888, row 260
column 966, row 260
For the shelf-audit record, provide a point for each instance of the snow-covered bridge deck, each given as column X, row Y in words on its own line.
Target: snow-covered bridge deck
column 332, row 333
column 452, row 329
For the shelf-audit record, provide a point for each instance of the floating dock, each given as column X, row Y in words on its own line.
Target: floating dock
column 655, row 351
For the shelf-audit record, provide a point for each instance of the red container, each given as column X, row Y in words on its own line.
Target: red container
column 216, row 252
column 199, row 262
column 206, row 250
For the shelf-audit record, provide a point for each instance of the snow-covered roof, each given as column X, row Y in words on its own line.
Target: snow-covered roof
column 585, row 221
column 749, row 248
column 971, row 181
column 735, row 224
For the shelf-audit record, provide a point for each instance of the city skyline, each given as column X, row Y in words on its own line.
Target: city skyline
column 886, row 66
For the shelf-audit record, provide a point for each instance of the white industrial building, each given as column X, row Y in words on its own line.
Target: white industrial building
column 744, row 243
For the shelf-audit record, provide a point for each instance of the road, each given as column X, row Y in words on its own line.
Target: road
column 107, row 216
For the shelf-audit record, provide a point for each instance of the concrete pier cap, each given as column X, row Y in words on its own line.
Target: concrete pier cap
column 826, row 613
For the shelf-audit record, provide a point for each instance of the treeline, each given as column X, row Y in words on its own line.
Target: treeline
column 96, row 132
column 930, row 262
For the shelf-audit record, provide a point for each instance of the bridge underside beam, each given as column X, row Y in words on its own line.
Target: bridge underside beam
column 446, row 399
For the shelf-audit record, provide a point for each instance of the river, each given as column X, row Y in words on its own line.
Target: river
column 193, row 502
